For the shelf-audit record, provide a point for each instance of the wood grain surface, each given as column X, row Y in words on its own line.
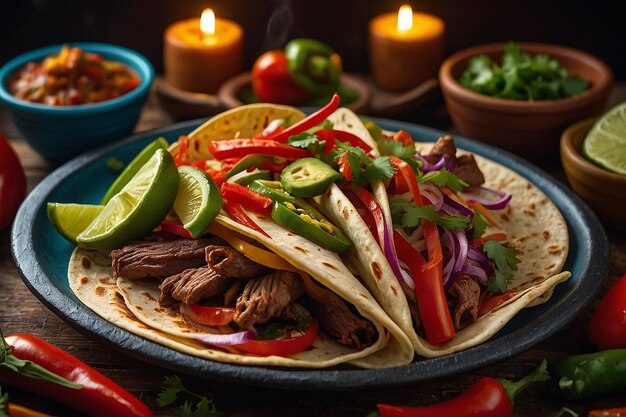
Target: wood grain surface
column 20, row 311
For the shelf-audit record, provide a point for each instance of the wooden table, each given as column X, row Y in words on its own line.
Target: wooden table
column 20, row 311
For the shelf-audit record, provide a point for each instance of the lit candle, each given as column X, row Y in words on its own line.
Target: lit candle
column 200, row 54
column 405, row 48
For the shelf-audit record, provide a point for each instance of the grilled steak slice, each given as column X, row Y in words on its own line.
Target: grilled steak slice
column 467, row 292
column 229, row 262
column 467, row 169
column 443, row 147
column 159, row 259
column 192, row 285
column 267, row 297
column 340, row 322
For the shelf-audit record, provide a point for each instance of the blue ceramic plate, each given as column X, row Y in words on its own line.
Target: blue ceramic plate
column 42, row 255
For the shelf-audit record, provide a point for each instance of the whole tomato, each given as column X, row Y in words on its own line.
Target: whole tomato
column 272, row 83
column 607, row 329
column 12, row 183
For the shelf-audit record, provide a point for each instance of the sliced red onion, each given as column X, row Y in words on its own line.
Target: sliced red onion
column 389, row 248
column 478, row 256
column 228, row 339
column 475, row 271
column 455, row 209
column 427, row 166
column 433, row 194
column 450, row 245
column 501, row 202
column 461, row 255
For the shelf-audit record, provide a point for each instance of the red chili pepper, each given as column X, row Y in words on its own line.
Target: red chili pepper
column 373, row 209
column 175, row 227
column 12, row 183
column 247, row 197
column 352, row 139
column 487, row 397
column 344, row 167
column 327, row 136
column 607, row 328
column 236, row 148
column 312, row 120
column 98, row 397
column 282, row 347
column 239, row 215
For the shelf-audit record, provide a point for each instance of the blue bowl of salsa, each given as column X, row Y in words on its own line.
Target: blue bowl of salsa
column 62, row 132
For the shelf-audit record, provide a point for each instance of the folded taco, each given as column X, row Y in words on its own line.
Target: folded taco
column 258, row 287
column 452, row 245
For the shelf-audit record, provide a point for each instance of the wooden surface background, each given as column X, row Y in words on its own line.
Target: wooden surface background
column 20, row 311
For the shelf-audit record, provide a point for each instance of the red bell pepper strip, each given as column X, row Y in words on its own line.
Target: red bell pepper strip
column 344, row 167
column 352, row 139
column 431, row 297
column 208, row 315
column 282, row 347
column 183, row 146
column 374, row 210
column 487, row 397
column 239, row 215
column 12, row 183
column 312, row 120
column 175, row 227
column 247, row 197
column 236, row 148
column 98, row 395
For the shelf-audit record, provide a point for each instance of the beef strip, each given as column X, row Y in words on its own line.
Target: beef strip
column 229, row 262
column 340, row 322
column 192, row 285
column 266, row 297
column 411, row 299
column 467, row 169
column 443, row 147
column 467, row 292
column 159, row 259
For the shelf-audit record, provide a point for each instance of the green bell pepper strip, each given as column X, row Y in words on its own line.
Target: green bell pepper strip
column 311, row 66
column 581, row 377
column 321, row 232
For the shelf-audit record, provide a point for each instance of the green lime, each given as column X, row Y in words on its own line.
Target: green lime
column 198, row 200
column 70, row 219
column 138, row 208
column 132, row 168
column 605, row 144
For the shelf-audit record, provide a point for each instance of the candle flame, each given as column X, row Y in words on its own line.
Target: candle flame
column 405, row 18
column 207, row 22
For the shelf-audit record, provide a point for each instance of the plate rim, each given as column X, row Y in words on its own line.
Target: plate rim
column 593, row 243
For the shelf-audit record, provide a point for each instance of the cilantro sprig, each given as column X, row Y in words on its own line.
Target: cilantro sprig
column 408, row 214
column 173, row 388
column 479, row 224
column 505, row 261
column 444, row 178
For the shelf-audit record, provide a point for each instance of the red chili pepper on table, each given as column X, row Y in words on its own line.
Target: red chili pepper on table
column 487, row 397
column 85, row 388
column 12, row 183
column 607, row 328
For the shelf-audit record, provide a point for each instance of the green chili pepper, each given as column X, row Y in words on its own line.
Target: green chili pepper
column 588, row 376
column 312, row 66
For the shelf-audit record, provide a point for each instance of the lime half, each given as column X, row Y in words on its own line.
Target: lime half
column 138, row 208
column 70, row 219
column 132, row 168
column 198, row 200
column 605, row 144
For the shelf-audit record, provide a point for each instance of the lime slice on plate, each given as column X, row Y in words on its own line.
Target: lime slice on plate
column 132, row 168
column 198, row 200
column 138, row 208
column 605, row 144
column 70, row 219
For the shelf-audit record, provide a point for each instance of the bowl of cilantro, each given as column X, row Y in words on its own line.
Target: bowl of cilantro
column 521, row 96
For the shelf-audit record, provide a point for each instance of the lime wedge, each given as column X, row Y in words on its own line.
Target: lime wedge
column 138, row 208
column 605, row 144
column 198, row 200
column 71, row 219
column 132, row 168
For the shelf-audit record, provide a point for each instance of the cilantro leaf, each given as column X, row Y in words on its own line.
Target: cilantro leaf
column 307, row 141
column 379, row 169
column 505, row 261
column 395, row 148
column 408, row 214
column 170, row 391
column 479, row 224
column 444, row 178
column 354, row 160
column 172, row 386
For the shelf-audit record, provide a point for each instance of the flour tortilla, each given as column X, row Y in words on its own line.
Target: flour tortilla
column 535, row 226
column 133, row 305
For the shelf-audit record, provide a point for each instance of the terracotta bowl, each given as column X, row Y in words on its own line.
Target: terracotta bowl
column 529, row 129
column 604, row 191
column 230, row 90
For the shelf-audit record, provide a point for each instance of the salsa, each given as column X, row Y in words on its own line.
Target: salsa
column 71, row 78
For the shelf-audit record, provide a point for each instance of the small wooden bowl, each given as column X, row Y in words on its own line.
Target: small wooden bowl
column 604, row 191
column 529, row 129
column 230, row 90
